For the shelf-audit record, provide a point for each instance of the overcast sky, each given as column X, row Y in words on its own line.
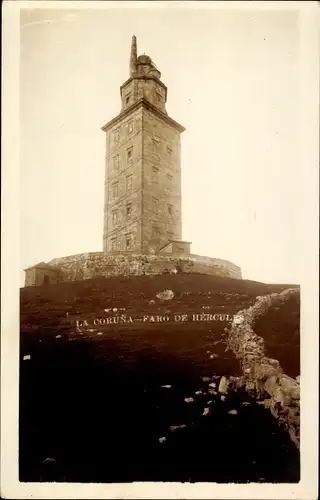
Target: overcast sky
column 233, row 79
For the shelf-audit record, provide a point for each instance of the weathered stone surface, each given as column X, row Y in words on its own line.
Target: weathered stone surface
column 263, row 371
column 263, row 374
column 272, row 384
column 90, row 265
column 280, row 396
column 223, row 385
column 290, row 387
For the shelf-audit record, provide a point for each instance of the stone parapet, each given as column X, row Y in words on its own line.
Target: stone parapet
column 90, row 265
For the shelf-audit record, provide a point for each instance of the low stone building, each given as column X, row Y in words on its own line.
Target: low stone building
column 142, row 210
column 43, row 274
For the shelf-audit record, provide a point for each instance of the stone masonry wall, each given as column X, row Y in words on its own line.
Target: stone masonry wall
column 161, row 182
column 264, row 376
column 123, row 183
column 89, row 265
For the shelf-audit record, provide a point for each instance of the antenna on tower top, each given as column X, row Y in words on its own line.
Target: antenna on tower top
column 133, row 56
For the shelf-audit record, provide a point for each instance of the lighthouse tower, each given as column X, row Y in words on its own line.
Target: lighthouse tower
column 142, row 210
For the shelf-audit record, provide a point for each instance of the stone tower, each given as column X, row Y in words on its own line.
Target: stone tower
column 142, row 211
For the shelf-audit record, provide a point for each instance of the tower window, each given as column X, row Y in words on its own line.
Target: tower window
column 169, row 150
column 129, row 155
column 129, row 183
column 117, row 135
column 129, row 210
column 159, row 97
column 155, row 205
column 155, row 172
column 128, row 241
column 115, row 190
column 128, row 99
column 130, row 127
column 170, row 210
column 116, row 163
column 170, row 235
column 169, row 177
column 115, row 217
column 155, row 145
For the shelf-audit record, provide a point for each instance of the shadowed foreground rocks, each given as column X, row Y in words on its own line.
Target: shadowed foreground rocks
column 140, row 401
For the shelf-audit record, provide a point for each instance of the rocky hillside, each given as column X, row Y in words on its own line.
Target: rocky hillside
column 120, row 382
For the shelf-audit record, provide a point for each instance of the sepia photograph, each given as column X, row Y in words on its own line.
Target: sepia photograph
column 162, row 245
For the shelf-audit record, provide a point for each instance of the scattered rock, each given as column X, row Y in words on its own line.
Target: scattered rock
column 267, row 403
column 58, row 336
column 107, row 310
column 223, row 386
column 99, row 333
column 189, row 400
column 223, row 398
column 290, row 387
column 271, row 385
column 263, row 371
column 152, row 301
column 166, row 386
column 165, row 295
column 175, row 427
column 273, row 362
column 206, row 379
column 280, row 396
column 233, row 412
column 206, row 412
column 245, row 403
column 213, row 356
column 213, row 384
column 26, row 357
column 49, row 460
column 162, row 439
column 198, row 393
column 250, row 386
column 114, row 309
column 212, row 392
column 238, row 318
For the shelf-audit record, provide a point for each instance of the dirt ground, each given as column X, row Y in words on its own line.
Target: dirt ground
column 93, row 406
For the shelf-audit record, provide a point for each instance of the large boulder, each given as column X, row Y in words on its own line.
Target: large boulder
column 290, row 386
column 223, row 386
column 263, row 371
column 271, row 385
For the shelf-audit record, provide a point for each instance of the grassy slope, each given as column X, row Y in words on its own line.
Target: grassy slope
column 92, row 401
